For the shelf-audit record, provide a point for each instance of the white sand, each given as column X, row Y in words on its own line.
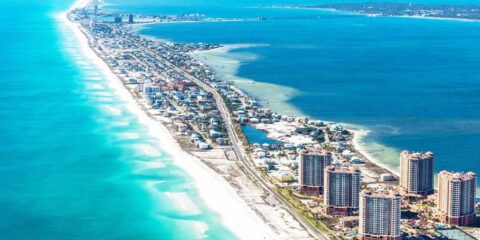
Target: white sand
column 213, row 189
column 285, row 132
column 359, row 135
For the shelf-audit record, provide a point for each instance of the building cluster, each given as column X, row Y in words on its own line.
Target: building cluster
column 151, row 68
column 319, row 155
column 451, row 11
column 294, row 139
column 379, row 206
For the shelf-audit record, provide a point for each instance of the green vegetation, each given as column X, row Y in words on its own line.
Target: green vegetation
column 281, row 154
column 299, row 208
column 305, row 130
column 240, row 134
column 329, row 148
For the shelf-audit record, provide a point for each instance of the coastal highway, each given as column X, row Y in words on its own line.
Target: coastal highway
column 237, row 144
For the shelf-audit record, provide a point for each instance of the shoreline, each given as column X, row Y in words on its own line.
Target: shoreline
column 359, row 132
column 227, row 66
column 241, row 220
column 434, row 18
column 245, row 84
column 334, row 10
column 222, row 53
column 204, row 171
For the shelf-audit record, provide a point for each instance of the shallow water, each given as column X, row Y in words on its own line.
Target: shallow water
column 75, row 162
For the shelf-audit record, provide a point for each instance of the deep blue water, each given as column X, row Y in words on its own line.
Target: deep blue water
column 415, row 83
column 75, row 163
column 257, row 136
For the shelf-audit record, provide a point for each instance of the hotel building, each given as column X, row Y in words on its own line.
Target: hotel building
column 310, row 172
column 416, row 173
column 341, row 190
column 456, row 198
column 380, row 215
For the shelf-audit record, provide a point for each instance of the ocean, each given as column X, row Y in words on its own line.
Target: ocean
column 75, row 162
column 411, row 83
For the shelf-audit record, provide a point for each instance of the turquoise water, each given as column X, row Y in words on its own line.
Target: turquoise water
column 414, row 83
column 75, row 164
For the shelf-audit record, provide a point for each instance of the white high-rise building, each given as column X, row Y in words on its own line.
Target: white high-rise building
column 341, row 190
column 456, row 198
column 310, row 171
column 380, row 214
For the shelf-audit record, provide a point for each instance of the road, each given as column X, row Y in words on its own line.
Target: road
column 237, row 144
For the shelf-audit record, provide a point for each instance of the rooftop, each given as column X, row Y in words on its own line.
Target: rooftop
column 416, row 155
column 381, row 191
column 458, row 176
column 342, row 169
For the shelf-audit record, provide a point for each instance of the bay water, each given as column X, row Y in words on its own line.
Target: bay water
column 411, row 83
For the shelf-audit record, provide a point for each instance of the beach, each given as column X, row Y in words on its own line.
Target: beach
column 373, row 168
column 212, row 188
column 105, row 127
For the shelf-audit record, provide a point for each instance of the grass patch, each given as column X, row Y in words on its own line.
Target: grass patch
column 299, row 208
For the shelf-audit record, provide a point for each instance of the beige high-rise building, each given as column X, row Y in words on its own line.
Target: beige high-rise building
column 456, row 197
column 341, row 190
column 310, row 171
column 416, row 172
column 380, row 215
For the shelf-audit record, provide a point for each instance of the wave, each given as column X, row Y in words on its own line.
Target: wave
column 212, row 188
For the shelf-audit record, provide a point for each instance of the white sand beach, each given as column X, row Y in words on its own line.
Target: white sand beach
column 213, row 189
column 359, row 145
